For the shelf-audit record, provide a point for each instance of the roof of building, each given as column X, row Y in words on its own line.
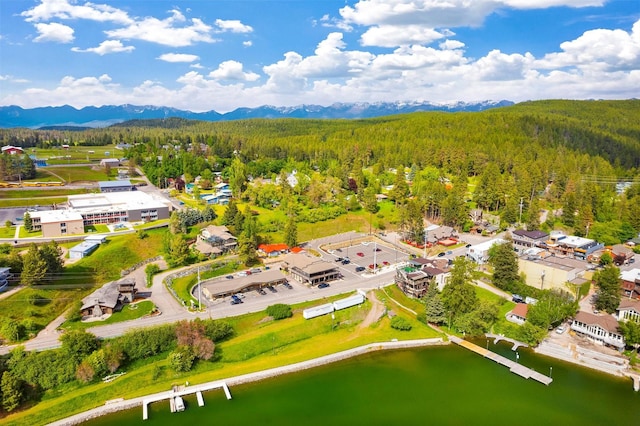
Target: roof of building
column 297, row 250
column 573, row 241
column 520, row 310
column 56, row 216
column 110, row 160
column 85, row 246
column 534, row 235
column 606, row 322
column 107, row 295
column 486, row 245
column 631, row 275
column 628, row 304
column 217, row 285
column 114, row 201
column 206, row 248
column 12, row 148
column 114, row 183
column 270, row 248
column 219, row 231
column 306, row 263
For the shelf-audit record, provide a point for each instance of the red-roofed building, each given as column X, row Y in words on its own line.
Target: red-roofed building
column 296, row 250
column 12, row 150
column 519, row 313
column 272, row 250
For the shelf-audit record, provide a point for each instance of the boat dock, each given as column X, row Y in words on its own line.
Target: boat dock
column 514, row 367
column 173, row 395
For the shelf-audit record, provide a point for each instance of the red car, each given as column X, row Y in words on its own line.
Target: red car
column 360, row 254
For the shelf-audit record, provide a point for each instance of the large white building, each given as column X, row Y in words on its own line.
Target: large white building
column 480, row 252
column 105, row 208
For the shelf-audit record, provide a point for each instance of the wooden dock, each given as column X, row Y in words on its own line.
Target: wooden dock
column 497, row 337
column 514, row 367
column 171, row 395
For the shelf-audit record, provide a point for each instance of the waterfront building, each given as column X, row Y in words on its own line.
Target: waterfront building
column 551, row 271
column 629, row 310
column 602, row 329
column 630, row 283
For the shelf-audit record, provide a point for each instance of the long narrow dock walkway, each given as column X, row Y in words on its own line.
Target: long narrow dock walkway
column 514, row 367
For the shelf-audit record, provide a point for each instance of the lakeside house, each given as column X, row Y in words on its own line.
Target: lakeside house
column 628, row 310
column 601, row 329
column 518, row 314
column 415, row 278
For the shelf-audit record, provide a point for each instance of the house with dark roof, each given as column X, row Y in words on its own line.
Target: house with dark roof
column 109, row 298
column 630, row 283
column 309, row 270
column 415, row 278
column 601, row 329
column 215, row 240
column 524, row 238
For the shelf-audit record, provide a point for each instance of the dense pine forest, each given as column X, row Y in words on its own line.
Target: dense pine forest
column 566, row 155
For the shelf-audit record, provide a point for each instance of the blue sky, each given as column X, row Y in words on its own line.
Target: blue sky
column 224, row 54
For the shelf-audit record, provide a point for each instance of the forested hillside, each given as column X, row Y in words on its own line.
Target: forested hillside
column 566, row 154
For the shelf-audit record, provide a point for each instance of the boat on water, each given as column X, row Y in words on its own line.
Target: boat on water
column 179, row 404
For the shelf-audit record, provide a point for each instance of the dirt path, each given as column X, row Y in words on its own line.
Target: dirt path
column 376, row 312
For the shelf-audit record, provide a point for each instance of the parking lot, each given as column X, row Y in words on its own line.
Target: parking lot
column 365, row 257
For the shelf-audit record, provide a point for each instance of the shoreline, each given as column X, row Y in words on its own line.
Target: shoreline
column 119, row 405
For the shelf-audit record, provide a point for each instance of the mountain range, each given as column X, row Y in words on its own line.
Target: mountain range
column 68, row 116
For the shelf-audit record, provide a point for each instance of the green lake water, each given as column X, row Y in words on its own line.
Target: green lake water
column 431, row 386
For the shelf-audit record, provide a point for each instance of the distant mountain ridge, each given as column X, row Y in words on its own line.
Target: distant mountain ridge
column 68, row 116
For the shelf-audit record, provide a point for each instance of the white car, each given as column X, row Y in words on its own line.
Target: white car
column 560, row 329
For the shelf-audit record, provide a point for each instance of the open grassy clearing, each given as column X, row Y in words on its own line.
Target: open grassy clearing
column 39, row 193
column 25, row 234
column 7, row 232
column 257, row 345
column 183, row 285
column 80, row 173
column 29, row 202
column 129, row 312
column 76, row 154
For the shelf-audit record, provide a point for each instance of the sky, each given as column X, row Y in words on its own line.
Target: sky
column 203, row 55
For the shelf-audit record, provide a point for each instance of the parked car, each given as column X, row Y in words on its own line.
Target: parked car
column 272, row 289
column 360, row 254
column 256, row 270
column 517, row 298
column 449, row 252
column 385, row 263
column 441, row 254
column 323, row 285
column 360, row 268
column 339, row 259
column 468, row 245
column 229, row 277
column 261, row 291
column 287, row 285
column 560, row 329
column 378, row 249
column 346, row 261
column 236, row 301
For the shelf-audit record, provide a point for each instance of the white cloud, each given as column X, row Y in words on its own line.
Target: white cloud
column 233, row 26
column 392, row 36
column 196, row 66
column 169, row 32
column 232, row 70
column 607, row 50
column 106, row 47
column 65, row 9
column 247, row 43
column 54, row 32
column 178, row 57
column 498, row 66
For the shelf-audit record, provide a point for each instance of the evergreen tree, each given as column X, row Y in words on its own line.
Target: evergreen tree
column 178, row 251
column 230, row 213
column 505, row 266
column 291, row 232
column 434, row 308
column 11, row 387
column 34, row 266
column 400, row 190
column 28, row 222
column 533, row 215
column 52, row 255
column 208, row 214
column 237, row 177
column 369, row 200
column 248, row 240
column 608, row 294
column 459, row 296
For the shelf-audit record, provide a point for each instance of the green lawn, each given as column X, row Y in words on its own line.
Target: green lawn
column 128, row 312
column 28, row 202
column 76, row 154
column 25, row 234
column 81, row 173
column 39, row 193
column 100, row 229
column 7, row 232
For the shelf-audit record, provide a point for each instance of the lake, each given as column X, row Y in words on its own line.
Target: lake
column 436, row 385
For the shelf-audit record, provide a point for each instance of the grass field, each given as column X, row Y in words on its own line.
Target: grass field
column 5, row 232
column 183, row 286
column 76, row 154
column 39, row 193
column 71, row 174
column 257, row 345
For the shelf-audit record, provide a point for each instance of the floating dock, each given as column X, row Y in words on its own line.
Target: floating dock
column 175, row 397
column 514, row 367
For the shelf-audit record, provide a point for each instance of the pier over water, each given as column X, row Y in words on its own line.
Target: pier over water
column 514, row 367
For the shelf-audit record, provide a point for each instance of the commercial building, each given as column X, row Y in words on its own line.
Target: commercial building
column 630, row 283
column 480, row 252
column 309, row 270
column 522, row 238
column 222, row 287
column 551, row 272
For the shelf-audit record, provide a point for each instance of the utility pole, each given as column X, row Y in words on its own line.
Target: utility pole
column 426, row 233
column 520, row 219
column 199, row 291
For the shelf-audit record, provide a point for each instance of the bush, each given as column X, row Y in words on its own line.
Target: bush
column 400, row 323
column 279, row 311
